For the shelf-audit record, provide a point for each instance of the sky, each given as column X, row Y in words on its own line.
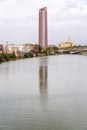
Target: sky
column 66, row 19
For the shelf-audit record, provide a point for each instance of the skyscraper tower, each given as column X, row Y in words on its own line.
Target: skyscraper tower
column 43, row 31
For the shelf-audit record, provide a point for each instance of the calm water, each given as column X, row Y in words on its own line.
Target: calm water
column 47, row 93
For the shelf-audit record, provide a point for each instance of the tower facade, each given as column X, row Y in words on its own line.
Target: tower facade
column 43, row 29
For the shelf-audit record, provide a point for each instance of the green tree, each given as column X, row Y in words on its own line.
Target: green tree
column 28, row 54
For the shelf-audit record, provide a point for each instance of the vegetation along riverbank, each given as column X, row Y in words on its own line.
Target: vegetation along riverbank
column 37, row 52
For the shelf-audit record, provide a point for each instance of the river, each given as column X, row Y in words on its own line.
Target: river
column 44, row 93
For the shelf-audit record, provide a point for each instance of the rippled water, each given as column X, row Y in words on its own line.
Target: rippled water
column 46, row 93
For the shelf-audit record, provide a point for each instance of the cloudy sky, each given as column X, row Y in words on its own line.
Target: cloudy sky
column 66, row 18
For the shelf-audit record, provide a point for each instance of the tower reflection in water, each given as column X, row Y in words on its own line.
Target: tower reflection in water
column 43, row 81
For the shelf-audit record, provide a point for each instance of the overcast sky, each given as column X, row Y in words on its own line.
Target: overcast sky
column 66, row 18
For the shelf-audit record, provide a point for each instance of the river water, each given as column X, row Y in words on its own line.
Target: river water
column 44, row 93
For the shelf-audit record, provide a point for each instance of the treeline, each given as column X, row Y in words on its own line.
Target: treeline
column 34, row 53
column 8, row 57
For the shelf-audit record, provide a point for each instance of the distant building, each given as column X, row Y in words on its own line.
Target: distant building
column 19, row 50
column 43, row 31
column 66, row 44
column 1, row 48
column 23, row 48
column 10, row 48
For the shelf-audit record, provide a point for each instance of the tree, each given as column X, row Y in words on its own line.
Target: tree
column 28, row 54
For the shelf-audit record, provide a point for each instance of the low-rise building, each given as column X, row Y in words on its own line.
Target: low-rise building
column 1, row 48
column 19, row 49
column 66, row 44
column 10, row 48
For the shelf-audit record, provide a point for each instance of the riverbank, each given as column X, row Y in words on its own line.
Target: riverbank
column 36, row 52
column 4, row 57
column 12, row 57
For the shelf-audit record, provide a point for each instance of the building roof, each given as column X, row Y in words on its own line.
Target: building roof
column 43, row 8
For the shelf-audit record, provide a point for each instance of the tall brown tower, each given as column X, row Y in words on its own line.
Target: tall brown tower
column 43, row 30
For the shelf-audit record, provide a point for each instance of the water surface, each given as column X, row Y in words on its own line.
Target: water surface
column 44, row 93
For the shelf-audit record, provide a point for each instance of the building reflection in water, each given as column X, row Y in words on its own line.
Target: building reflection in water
column 43, row 81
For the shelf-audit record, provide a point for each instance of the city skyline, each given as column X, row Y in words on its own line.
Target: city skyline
column 19, row 20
